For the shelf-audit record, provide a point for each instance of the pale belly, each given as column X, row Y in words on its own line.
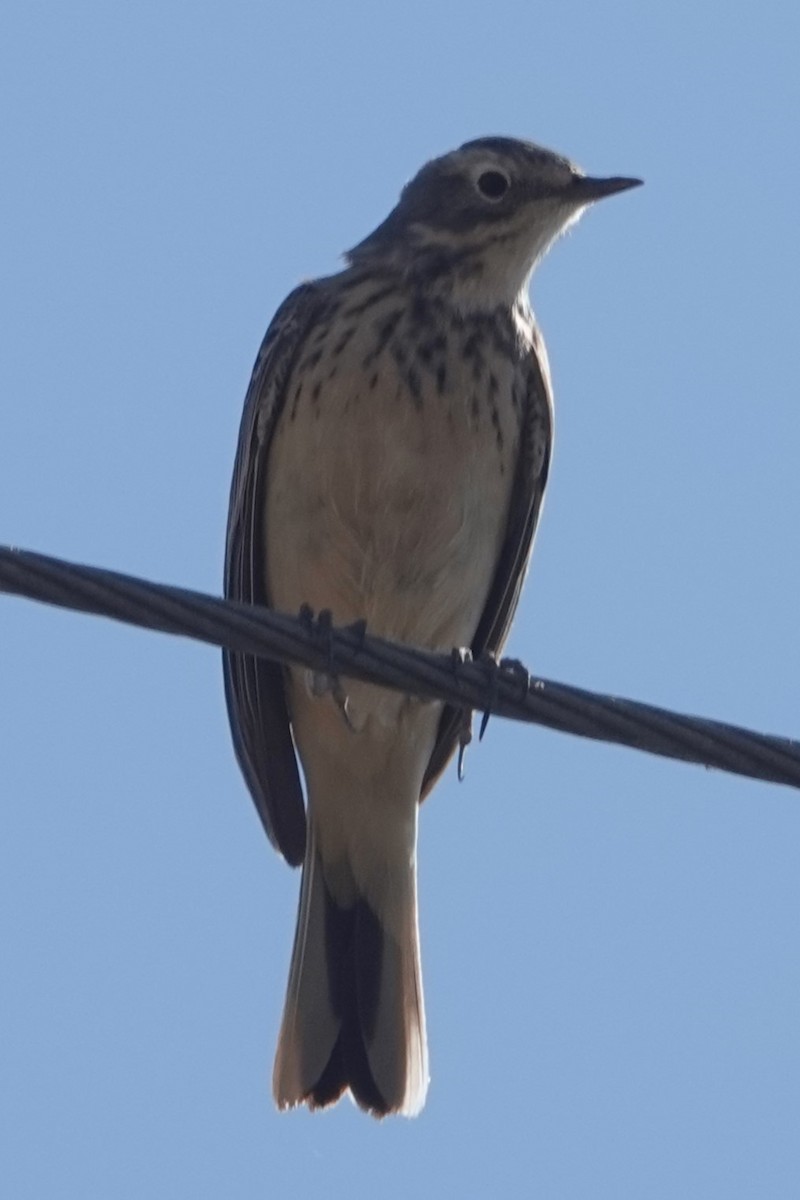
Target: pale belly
column 388, row 507
column 386, row 502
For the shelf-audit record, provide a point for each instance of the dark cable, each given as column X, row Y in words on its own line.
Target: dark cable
column 505, row 690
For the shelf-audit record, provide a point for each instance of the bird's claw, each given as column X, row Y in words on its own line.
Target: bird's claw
column 506, row 668
column 460, row 655
column 492, row 668
column 327, row 682
column 464, row 739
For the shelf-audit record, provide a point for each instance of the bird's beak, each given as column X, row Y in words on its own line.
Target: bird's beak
column 586, row 189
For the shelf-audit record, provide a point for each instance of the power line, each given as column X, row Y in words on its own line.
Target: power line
column 506, row 690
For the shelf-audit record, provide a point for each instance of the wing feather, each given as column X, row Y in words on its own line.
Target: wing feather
column 536, row 437
column 254, row 687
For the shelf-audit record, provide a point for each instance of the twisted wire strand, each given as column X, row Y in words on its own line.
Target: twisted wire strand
column 505, row 690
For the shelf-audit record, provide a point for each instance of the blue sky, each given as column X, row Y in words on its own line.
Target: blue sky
column 610, row 941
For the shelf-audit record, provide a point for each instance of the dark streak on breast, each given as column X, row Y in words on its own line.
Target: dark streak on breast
column 384, row 329
column 441, row 378
column 357, row 310
column 295, row 401
column 415, row 387
column 343, row 340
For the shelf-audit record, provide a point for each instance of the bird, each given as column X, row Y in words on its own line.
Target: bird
column 391, row 466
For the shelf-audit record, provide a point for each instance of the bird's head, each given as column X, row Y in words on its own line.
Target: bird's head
column 480, row 218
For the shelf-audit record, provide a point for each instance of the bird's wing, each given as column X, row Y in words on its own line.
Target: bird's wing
column 536, row 437
column 254, row 687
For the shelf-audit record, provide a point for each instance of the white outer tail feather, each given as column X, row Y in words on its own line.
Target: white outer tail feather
column 396, row 1046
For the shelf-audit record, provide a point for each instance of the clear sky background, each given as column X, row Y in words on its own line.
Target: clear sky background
column 611, row 942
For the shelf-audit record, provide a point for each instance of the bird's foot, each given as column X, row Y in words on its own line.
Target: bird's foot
column 327, row 682
column 506, row 668
column 458, row 656
column 492, row 668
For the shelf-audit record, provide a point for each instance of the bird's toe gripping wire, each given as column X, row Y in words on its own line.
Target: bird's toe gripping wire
column 327, row 682
column 509, row 668
column 460, row 655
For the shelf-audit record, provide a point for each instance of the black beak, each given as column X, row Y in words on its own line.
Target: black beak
column 588, row 189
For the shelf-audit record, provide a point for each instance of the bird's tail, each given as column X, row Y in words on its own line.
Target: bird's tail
column 354, row 1015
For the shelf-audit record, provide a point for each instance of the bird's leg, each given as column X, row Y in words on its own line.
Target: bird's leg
column 490, row 664
column 327, row 682
column 464, row 739
column 458, row 656
column 509, row 668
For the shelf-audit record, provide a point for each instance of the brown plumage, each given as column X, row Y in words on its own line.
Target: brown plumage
column 391, row 467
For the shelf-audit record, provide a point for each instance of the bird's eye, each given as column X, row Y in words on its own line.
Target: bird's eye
column 493, row 185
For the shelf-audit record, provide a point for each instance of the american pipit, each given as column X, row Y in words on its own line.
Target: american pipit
column 392, row 461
